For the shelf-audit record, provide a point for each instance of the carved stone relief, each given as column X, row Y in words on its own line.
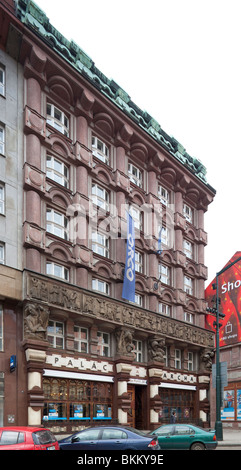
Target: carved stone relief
column 36, row 318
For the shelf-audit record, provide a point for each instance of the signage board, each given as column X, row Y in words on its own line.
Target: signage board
column 229, row 293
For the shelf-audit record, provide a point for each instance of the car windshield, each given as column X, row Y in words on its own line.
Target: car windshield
column 43, row 437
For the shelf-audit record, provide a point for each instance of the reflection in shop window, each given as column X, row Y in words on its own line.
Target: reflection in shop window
column 55, row 411
column 79, row 411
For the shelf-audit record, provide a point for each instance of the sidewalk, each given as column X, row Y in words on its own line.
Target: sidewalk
column 231, row 437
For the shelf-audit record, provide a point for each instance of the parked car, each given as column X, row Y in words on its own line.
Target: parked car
column 185, row 436
column 110, row 438
column 27, row 438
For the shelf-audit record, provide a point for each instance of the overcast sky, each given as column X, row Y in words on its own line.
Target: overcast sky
column 179, row 60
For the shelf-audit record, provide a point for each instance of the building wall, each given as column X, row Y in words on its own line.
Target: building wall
column 77, row 332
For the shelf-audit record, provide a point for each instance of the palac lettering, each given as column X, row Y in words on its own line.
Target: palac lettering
column 226, row 287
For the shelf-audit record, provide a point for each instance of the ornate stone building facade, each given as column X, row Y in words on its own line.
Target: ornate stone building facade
column 89, row 155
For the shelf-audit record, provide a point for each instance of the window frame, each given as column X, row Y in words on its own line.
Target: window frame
column 52, row 225
column 58, row 124
column 188, row 285
column 53, row 174
column 96, row 244
column 103, row 347
column 3, row 80
column 96, row 282
column 136, row 179
column 102, row 155
column 2, row 139
column 66, row 271
column 80, row 340
column 165, row 197
column 2, row 253
column 2, row 199
column 55, row 334
column 99, row 201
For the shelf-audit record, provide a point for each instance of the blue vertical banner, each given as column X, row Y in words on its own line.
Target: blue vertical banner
column 128, row 291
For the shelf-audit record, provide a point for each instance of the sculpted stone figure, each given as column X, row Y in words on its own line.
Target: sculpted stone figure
column 125, row 344
column 156, row 349
column 36, row 319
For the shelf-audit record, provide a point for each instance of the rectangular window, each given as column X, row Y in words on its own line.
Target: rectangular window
column 2, row 80
column 164, row 274
column 188, row 213
column 57, row 171
column 2, row 198
column 138, row 350
column 2, row 253
column 163, row 195
column 2, row 139
column 139, row 300
column 57, row 224
column 57, row 119
column 101, row 286
column 100, row 244
column 57, row 270
column 138, row 262
column 178, row 363
column 188, row 317
column 100, row 197
column 55, row 333
column 81, row 339
column 100, row 150
column 188, row 248
column 103, row 346
column 188, row 285
column 190, row 361
column 164, row 309
column 1, row 334
column 136, row 214
column 135, row 175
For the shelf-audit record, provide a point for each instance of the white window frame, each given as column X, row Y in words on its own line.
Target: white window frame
column 138, row 350
column 190, row 361
column 57, row 270
column 2, row 80
column 2, row 198
column 2, row 253
column 100, row 150
column 163, row 194
column 164, row 309
column 165, row 235
column 188, row 317
column 57, row 223
column 100, row 196
column 100, row 244
column 188, row 248
column 135, row 175
column 61, row 177
column 165, row 274
column 137, row 217
column 188, row 213
column 53, row 331
column 188, row 285
column 2, row 139
column 79, row 340
column 139, row 299
column 103, row 346
column 60, row 122
column 178, row 359
column 138, row 262
column 100, row 286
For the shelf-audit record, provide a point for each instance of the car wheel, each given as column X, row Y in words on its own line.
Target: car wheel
column 197, row 446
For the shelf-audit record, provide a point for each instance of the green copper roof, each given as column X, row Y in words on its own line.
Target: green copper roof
column 33, row 17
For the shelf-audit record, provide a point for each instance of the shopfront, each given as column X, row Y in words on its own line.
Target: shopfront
column 179, row 400
column 231, row 409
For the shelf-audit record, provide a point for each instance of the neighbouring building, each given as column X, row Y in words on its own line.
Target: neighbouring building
column 229, row 293
column 77, row 155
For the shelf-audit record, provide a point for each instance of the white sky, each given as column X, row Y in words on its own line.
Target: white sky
column 179, row 60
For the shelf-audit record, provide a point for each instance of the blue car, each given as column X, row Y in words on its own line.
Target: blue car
column 110, row 438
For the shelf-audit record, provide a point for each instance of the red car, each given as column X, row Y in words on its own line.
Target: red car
column 27, row 438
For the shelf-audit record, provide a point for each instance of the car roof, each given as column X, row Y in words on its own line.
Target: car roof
column 22, row 428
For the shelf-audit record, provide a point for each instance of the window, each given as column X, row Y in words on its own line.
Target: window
column 57, row 119
column 2, row 139
column 164, row 274
column 188, row 213
column 164, row 233
column 188, row 285
column 100, row 286
column 190, row 362
column 178, row 364
column 57, row 270
column 100, row 197
column 57, row 171
column 164, row 309
column 11, row 438
column 139, row 300
column 100, row 244
column 81, row 339
column 100, row 150
column 103, row 346
column 135, row 174
column 2, row 253
column 1, row 338
column 55, row 333
column 1, row 397
column 163, row 195
column 188, row 248
column 57, row 224
column 188, row 317
column 137, row 217
column 113, row 434
column 2, row 80
column 138, row 262
column 2, row 199
column 138, row 350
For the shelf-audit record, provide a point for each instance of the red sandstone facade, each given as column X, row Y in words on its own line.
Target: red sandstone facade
column 84, row 354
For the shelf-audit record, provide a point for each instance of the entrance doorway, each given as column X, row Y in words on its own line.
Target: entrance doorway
column 137, row 413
